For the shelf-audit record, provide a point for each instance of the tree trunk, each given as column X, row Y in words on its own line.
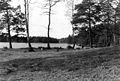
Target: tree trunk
column 72, row 24
column 73, row 41
column 90, row 31
column 108, row 23
column 49, row 22
column 27, row 24
column 73, row 38
column 114, row 36
column 9, row 35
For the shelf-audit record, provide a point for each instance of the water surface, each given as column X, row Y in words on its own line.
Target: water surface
column 36, row 45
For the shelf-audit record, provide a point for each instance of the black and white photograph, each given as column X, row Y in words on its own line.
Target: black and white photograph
column 59, row 40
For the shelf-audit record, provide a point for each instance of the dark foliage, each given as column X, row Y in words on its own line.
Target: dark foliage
column 96, row 22
column 4, row 38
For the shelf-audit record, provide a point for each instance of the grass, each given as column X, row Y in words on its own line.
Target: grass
column 80, row 61
column 70, row 62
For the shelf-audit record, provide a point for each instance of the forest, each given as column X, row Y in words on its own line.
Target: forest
column 23, row 39
column 95, row 23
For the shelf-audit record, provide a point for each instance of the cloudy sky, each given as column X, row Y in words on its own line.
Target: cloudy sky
column 60, row 25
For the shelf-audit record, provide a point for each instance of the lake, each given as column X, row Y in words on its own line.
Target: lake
column 36, row 45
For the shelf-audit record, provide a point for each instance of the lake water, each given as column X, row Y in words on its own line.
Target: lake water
column 24, row 45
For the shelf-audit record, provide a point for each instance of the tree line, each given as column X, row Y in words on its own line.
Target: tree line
column 33, row 39
column 97, row 23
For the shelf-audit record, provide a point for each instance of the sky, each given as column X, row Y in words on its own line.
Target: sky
column 60, row 23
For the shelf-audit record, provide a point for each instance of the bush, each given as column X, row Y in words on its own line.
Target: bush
column 69, row 47
column 5, row 47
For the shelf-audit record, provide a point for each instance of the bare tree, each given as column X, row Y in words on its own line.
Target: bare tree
column 49, row 5
column 27, row 23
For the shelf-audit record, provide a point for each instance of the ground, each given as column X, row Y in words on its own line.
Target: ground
column 96, row 64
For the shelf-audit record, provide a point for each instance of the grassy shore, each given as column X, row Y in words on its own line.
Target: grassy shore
column 65, row 65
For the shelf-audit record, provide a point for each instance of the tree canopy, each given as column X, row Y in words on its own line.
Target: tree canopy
column 100, row 15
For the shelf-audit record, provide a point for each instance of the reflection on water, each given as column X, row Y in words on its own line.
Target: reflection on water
column 24, row 45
